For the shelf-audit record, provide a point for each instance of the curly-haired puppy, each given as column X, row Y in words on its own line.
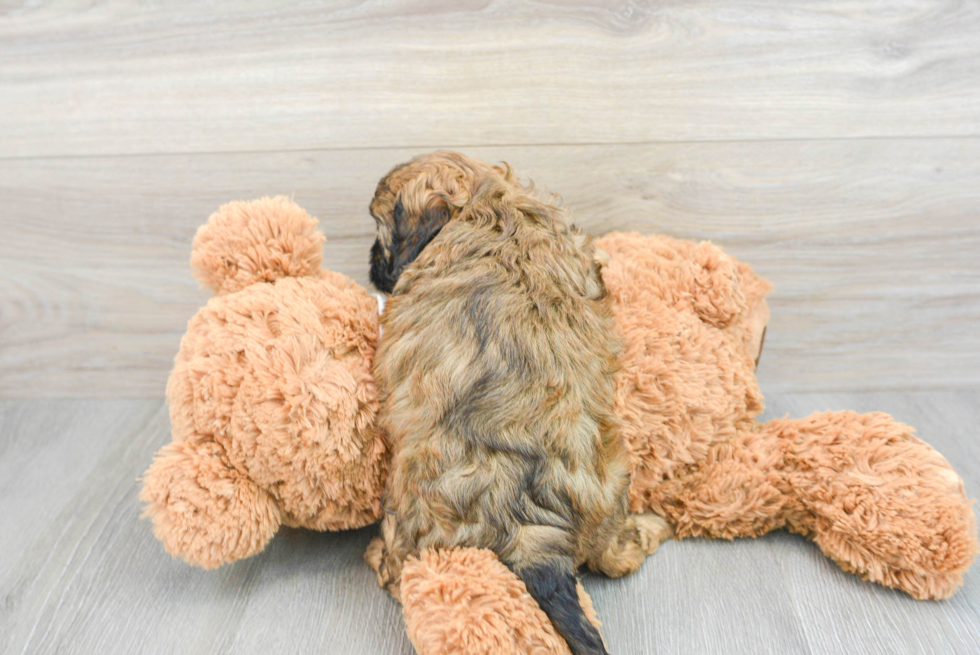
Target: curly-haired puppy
column 496, row 379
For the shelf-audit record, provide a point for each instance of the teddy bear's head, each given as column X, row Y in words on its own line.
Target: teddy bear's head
column 271, row 398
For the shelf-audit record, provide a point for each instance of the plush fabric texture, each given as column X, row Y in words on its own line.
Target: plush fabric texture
column 259, row 241
column 203, row 508
column 877, row 500
column 273, row 407
column 272, row 401
column 466, row 601
column 687, row 380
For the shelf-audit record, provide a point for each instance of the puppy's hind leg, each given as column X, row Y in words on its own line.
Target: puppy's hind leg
column 374, row 555
column 638, row 536
column 653, row 529
column 380, row 557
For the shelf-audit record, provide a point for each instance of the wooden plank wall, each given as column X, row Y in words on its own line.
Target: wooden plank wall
column 833, row 145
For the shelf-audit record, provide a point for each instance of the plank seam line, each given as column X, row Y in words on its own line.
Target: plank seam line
column 424, row 147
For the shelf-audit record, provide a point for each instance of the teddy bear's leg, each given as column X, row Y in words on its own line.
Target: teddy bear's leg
column 203, row 509
column 878, row 501
column 639, row 536
column 465, row 601
column 737, row 490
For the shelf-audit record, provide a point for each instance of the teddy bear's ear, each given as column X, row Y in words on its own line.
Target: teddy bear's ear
column 203, row 509
column 259, row 241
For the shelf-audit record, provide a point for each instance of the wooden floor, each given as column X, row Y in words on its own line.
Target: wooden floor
column 833, row 145
column 80, row 573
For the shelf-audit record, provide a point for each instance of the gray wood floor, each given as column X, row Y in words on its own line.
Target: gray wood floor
column 80, row 573
column 833, row 145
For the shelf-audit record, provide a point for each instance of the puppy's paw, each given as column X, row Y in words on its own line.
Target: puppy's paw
column 639, row 537
column 375, row 554
column 653, row 529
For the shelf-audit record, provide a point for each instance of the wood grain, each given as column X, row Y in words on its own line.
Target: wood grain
column 872, row 246
column 80, row 573
column 700, row 596
column 121, row 77
column 839, row 611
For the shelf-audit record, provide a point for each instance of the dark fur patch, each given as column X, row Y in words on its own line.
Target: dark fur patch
column 554, row 590
column 382, row 270
column 408, row 241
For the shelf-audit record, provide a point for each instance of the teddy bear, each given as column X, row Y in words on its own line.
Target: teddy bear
column 271, row 397
column 272, row 404
column 876, row 499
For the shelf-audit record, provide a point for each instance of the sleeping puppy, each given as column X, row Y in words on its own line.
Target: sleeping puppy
column 496, row 382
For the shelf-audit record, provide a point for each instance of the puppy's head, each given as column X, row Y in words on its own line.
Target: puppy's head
column 415, row 200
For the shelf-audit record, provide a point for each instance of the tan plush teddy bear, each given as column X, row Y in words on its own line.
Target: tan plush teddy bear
column 271, row 398
column 272, row 405
column 876, row 499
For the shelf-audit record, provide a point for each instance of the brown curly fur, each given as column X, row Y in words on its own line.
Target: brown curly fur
column 496, row 379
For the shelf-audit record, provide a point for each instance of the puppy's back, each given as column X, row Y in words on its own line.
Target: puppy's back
column 496, row 381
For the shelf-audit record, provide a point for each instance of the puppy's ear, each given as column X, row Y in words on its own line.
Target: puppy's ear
column 382, row 273
column 410, row 235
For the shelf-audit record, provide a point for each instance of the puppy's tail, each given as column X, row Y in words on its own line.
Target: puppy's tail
column 552, row 585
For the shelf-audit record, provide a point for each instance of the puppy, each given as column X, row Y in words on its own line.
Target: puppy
column 496, row 381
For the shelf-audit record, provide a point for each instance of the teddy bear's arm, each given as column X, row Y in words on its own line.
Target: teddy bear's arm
column 203, row 509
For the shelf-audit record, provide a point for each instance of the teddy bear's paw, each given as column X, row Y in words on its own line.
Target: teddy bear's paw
column 879, row 501
column 204, row 510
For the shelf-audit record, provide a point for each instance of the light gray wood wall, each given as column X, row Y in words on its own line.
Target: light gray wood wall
column 834, row 146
